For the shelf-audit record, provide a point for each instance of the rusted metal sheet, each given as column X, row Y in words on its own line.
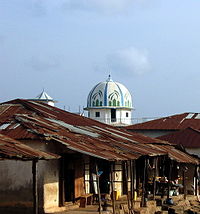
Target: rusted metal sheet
column 24, row 119
column 188, row 137
column 177, row 155
column 174, row 122
column 12, row 149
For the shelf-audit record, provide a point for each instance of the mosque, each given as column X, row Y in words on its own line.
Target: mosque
column 109, row 102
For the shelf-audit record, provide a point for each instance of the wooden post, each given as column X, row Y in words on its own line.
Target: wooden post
column 112, row 187
column 196, row 180
column 169, row 178
column 62, row 184
column 134, row 179
column 98, row 189
column 35, row 184
column 143, row 204
column 154, row 177
column 184, row 184
column 132, row 182
column 126, row 180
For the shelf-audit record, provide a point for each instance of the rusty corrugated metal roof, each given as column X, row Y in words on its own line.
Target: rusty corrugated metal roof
column 174, row 122
column 177, row 155
column 13, row 149
column 22, row 119
column 189, row 138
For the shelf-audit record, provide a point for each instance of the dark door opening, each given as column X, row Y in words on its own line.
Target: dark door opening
column 113, row 115
column 71, row 178
column 69, row 185
column 104, row 179
column 67, row 180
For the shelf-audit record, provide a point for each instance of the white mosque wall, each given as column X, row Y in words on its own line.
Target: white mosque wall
column 123, row 116
column 51, row 103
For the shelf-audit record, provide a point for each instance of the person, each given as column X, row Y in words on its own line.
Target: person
column 176, row 186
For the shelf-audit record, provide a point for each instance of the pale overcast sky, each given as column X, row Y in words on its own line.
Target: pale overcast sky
column 68, row 46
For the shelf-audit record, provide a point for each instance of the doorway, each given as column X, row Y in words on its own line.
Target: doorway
column 104, row 179
column 113, row 115
column 69, row 185
column 71, row 178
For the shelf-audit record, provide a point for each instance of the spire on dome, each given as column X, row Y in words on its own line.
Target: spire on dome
column 44, row 96
column 109, row 78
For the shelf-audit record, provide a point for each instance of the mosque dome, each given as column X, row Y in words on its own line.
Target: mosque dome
column 109, row 94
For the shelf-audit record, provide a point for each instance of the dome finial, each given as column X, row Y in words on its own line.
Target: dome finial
column 109, row 78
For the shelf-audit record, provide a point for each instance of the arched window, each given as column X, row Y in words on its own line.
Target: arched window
column 114, row 102
column 110, row 104
column 118, row 103
column 93, row 103
column 100, row 103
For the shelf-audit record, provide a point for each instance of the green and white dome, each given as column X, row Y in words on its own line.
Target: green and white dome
column 109, row 94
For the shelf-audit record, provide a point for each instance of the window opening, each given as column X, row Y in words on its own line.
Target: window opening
column 97, row 114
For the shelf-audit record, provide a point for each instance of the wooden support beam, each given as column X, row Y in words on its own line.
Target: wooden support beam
column 184, row 184
column 112, row 185
column 134, row 179
column 143, row 202
column 132, row 182
column 35, row 185
column 169, row 178
column 126, row 180
column 62, row 184
column 154, row 176
column 196, row 180
column 98, row 188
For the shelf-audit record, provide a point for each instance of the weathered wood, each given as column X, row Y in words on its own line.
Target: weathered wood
column 126, row 180
column 86, row 200
column 35, row 185
column 196, row 179
column 132, row 182
column 184, row 184
column 98, row 189
column 169, row 178
column 143, row 204
column 154, row 176
column 112, row 186
column 79, row 178
column 134, row 179
column 61, row 184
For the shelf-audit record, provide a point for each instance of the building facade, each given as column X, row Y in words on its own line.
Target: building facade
column 110, row 102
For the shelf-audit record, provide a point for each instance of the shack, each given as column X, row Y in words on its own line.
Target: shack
column 95, row 158
column 12, row 151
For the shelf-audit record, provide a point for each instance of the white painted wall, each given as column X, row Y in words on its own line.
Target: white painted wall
column 105, row 116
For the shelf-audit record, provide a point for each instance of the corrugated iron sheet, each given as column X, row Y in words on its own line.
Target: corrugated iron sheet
column 12, row 149
column 78, row 133
column 188, row 137
column 174, row 122
column 177, row 155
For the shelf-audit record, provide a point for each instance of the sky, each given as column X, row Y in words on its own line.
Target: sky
column 68, row 46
